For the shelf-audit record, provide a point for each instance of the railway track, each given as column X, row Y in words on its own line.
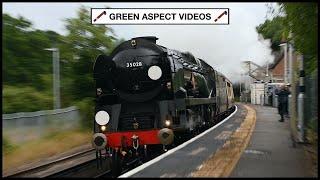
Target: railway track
column 83, row 163
column 47, row 169
column 87, row 169
column 90, row 169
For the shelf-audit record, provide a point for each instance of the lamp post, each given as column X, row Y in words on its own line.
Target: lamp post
column 301, row 100
column 240, row 86
column 56, row 77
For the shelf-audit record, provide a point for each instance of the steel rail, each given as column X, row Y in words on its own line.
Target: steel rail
column 38, row 168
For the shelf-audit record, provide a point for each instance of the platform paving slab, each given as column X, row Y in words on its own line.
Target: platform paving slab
column 271, row 151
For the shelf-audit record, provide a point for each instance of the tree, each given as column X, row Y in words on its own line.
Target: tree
column 24, row 60
column 26, row 65
column 274, row 30
column 300, row 19
column 85, row 42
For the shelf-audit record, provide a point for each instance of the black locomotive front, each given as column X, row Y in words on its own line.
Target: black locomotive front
column 142, row 71
column 131, row 83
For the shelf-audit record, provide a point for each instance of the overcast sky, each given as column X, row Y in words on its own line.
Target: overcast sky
column 222, row 46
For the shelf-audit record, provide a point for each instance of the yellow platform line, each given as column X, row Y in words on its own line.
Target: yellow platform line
column 223, row 161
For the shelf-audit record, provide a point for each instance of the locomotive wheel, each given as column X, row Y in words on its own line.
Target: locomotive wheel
column 116, row 165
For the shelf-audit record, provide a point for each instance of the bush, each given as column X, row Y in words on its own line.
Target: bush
column 86, row 107
column 25, row 99
column 7, row 146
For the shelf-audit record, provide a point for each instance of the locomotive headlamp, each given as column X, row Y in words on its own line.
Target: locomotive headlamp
column 103, row 128
column 169, row 85
column 167, row 122
column 133, row 43
column 154, row 72
column 102, row 118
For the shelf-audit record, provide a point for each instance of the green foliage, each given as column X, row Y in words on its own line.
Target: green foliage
column 24, row 60
column 303, row 23
column 7, row 146
column 25, row 99
column 27, row 67
column 274, row 30
column 86, row 42
column 86, row 107
column 301, row 19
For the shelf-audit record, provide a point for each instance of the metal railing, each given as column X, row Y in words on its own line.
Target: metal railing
column 310, row 106
column 311, row 101
column 26, row 126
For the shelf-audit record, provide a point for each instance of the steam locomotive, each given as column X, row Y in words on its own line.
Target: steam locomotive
column 148, row 95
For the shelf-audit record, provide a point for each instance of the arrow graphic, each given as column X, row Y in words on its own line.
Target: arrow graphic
column 103, row 13
column 224, row 13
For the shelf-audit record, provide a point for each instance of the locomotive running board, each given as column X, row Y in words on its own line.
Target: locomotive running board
column 199, row 101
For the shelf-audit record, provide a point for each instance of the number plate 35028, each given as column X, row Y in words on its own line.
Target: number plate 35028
column 134, row 64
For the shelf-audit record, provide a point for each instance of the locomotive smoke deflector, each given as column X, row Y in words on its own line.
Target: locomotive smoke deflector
column 102, row 67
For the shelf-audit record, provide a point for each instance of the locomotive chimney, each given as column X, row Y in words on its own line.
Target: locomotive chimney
column 148, row 38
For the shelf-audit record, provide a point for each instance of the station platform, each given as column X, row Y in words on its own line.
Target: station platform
column 271, row 151
column 251, row 142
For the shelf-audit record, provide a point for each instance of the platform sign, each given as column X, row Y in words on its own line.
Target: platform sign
column 160, row 16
